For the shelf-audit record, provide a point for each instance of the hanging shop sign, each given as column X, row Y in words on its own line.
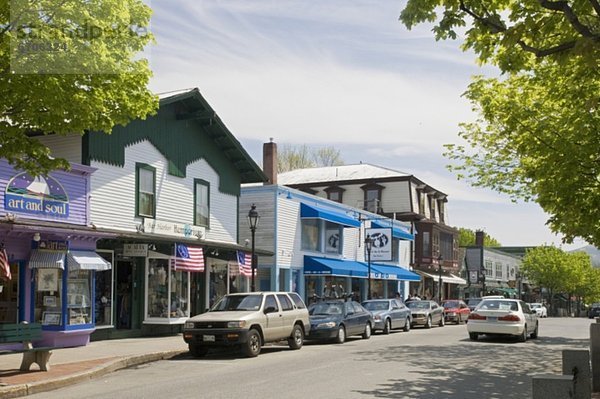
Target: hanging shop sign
column 36, row 195
column 153, row 226
column 382, row 244
column 133, row 250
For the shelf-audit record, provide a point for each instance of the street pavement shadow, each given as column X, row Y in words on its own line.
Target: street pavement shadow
column 486, row 369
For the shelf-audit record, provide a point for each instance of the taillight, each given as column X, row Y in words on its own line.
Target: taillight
column 476, row 316
column 510, row 317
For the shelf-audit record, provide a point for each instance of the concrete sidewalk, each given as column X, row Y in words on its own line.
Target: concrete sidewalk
column 72, row 365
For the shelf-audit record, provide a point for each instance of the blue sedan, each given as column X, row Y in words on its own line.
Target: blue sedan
column 337, row 320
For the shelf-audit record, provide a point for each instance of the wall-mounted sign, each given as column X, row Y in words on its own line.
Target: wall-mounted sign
column 384, row 276
column 381, row 249
column 154, row 226
column 133, row 250
column 37, row 195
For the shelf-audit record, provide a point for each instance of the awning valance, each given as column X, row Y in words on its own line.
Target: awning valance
column 333, row 267
column 43, row 259
column 86, row 260
column 451, row 279
column 333, row 216
column 388, row 272
column 397, row 231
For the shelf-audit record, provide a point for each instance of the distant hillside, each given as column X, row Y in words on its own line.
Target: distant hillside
column 593, row 252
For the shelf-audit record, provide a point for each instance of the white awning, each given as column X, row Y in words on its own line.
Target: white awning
column 41, row 259
column 452, row 279
column 87, row 260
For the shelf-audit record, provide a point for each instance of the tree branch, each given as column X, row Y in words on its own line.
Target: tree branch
column 566, row 9
column 596, row 6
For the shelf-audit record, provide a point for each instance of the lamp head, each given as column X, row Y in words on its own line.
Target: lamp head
column 368, row 242
column 36, row 237
column 253, row 217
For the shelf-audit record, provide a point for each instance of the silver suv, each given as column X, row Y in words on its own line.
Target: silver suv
column 249, row 320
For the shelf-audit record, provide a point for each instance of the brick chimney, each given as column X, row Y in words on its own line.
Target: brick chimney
column 479, row 238
column 270, row 161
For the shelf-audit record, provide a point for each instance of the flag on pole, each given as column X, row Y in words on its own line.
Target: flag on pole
column 4, row 265
column 188, row 258
column 245, row 263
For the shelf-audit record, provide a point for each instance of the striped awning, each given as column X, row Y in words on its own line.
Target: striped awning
column 43, row 259
column 86, row 260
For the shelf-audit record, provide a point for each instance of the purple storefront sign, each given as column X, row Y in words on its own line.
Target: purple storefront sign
column 60, row 196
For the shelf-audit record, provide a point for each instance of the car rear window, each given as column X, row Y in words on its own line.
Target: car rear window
column 286, row 304
column 376, row 305
column 297, row 300
column 492, row 304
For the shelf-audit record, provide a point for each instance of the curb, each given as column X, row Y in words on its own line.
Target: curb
column 16, row 391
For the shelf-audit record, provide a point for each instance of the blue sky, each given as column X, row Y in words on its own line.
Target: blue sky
column 336, row 73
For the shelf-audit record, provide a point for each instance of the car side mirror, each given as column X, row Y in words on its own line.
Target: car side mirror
column 270, row 309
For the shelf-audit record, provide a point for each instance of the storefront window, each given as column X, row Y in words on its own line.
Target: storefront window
column 310, row 235
column 158, row 299
column 335, row 287
column 79, row 302
column 377, row 289
column 48, row 301
column 9, row 296
column 333, row 238
column 179, row 293
column 104, row 293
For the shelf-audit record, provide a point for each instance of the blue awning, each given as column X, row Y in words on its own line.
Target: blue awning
column 388, row 272
column 316, row 212
column 397, row 231
column 333, row 267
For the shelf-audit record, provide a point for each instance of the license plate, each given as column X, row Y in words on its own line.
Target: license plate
column 492, row 318
column 208, row 338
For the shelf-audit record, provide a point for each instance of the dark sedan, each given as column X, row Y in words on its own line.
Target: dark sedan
column 337, row 320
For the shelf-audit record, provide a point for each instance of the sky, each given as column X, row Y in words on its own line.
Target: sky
column 338, row 73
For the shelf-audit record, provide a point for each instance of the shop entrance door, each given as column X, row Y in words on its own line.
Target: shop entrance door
column 124, row 289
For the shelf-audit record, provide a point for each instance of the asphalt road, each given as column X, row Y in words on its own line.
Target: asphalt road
column 426, row 364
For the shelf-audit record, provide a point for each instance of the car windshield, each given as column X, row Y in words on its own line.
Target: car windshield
column 238, row 302
column 377, row 305
column 535, row 305
column 451, row 304
column 418, row 305
column 494, row 304
column 327, row 309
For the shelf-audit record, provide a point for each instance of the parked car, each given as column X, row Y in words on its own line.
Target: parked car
column 472, row 303
column 249, row 320
column 426, row 313
column 503, row 317
column 540, row 309
column 338, row 319
column 388, row 314
column 455, row 311
column 594, row 311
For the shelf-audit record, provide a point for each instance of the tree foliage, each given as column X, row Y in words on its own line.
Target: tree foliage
column 69, row 68
column 466, row 238
column 537, row 136
column 299, row 157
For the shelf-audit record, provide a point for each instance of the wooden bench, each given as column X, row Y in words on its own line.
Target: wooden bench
column 26, row 333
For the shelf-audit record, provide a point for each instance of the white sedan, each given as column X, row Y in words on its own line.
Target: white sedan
column 503, row 317
column 540, row 309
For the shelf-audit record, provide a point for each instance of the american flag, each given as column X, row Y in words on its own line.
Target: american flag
column 188, row 258
column 245, row 262
column 4, row 265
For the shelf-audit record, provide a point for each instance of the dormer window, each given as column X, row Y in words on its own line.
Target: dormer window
column 334, row 193
column 372, row 197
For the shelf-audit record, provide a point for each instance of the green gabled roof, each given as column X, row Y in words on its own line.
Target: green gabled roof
column 184, row 130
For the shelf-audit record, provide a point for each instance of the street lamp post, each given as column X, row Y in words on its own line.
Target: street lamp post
column 440, row 259
column 253, row 218
column 368, row 247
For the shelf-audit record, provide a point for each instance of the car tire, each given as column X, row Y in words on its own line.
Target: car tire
column 367, row 333
column 197, row 350
column 297, row 339
column 473, row 336
column 407, row 325
column 251, row 347
column 523, row 336
column 428, row 322
column 341, row 336
column 442, row 321
column 387, row 327
column 534, row 334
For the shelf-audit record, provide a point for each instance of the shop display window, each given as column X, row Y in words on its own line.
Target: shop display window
column 79, row 304
column 48, row 299
column 9, row 296
column 168, row 293
column 158, row 293
column 179, row 294
column 103, row 299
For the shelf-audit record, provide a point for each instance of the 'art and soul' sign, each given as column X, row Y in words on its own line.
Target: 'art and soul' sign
column 37, row 195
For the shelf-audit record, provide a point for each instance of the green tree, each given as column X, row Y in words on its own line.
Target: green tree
column 537, row 133
column 466, row 238
column 68, row 68
column 299, row 157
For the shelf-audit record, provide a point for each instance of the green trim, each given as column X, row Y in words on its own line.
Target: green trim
column 139, row 166
column 207, row 185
